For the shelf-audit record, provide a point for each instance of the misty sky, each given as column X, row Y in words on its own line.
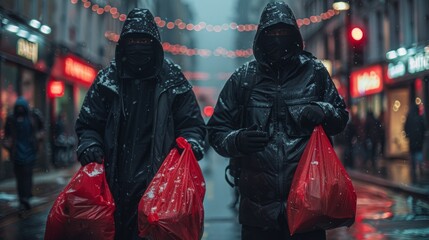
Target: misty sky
column 214, row 12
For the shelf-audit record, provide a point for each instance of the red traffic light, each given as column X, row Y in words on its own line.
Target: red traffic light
column 357, row 34
column 208, row 111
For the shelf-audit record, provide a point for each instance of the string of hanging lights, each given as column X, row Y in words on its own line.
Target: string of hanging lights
column 181, row 25
column 177, row 49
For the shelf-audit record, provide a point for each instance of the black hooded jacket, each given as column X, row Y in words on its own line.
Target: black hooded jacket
column 23, row 137
column 415, row 128
column 277, row 99
column 174, row 112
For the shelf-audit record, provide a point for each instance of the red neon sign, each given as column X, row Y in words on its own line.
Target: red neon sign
column 77, row 69
column 55, row 89
column 366, row 81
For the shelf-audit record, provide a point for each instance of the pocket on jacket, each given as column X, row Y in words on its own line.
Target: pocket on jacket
column 295, row 108
column 258, row 114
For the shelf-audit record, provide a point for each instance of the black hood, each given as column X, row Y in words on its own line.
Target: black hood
column 274, row 13
column 21, row 102
column 141, row 21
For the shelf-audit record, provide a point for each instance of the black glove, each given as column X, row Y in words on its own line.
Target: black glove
column 91, row 154
column 311, row 116
column 197, row 151
column 251, row 141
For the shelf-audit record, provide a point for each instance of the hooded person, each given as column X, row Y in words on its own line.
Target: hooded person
column 415, row 129
column 24, row 130
column 290, row 92
column 132, row 114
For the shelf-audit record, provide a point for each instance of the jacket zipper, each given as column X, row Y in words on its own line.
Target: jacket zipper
column 152, row 147
column 278, row 140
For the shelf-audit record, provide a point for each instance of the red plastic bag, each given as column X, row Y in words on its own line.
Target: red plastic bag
column 172, row 206
column 84, row 209
column 322, row 195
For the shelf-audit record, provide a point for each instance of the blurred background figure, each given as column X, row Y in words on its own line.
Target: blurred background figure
column 372, row 140
column 415, row 131
column 64, row 143
column 348, row 140
column 23, row 134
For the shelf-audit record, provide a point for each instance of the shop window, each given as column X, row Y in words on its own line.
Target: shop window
column 395, row 24
column 337, row 40
column 398, row 105
column 9, row 94
column 65, row 109
column 27, row 86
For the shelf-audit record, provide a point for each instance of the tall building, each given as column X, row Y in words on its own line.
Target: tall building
column 177, row 11
column 25, row 61
column 248, row 12
column 51, row 51
column 389, row 71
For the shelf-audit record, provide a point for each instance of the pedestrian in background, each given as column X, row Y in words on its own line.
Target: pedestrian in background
column 23, row 134
column 349, row 143
column 372, row 129
column 132, row 115
column 382, row 134
column 415, row 131
column 291, row 92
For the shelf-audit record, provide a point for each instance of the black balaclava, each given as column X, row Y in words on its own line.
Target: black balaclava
column 139, row 59
column 285, row 41
column 138, row 56
column 279, row 42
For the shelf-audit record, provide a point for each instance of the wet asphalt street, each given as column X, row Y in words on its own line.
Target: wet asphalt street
column 381, row 214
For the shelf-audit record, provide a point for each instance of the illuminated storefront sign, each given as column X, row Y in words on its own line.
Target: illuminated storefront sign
column 396, row 70
column 24, row 45
column 55, row 89
column 26, row 49
column 74, row 69
column 366, row 81
column 415, row 61
column 418, row 63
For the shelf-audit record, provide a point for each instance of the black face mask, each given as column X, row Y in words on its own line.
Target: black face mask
column 20, row 111
column 277, row 48
column 138, row 59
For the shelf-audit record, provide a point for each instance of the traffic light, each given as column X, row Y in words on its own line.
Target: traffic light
column 357, row 40
column 208, row 111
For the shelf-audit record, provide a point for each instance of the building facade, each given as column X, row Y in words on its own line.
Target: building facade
column 51, row 51
column 392, row 72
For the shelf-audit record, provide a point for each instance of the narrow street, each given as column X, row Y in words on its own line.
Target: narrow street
column 382, row 214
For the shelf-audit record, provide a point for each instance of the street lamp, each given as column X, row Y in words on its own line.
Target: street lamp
column 345, row 6
column 341, row 5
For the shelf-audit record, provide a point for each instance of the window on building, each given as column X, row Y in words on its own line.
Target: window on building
column 337, row 41
column 8, row 4
column 426, row 17
column 326, row 46
column 379, row 31
column 395, row 26
column 412, row 23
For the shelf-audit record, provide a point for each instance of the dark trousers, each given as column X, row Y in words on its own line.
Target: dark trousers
column 256, row 233
column 24, row 181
